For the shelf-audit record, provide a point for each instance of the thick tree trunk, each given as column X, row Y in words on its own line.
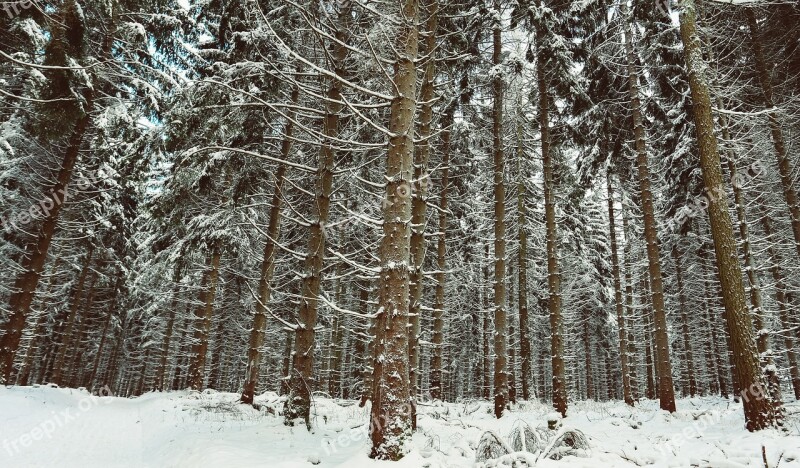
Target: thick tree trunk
column 203, row 320
column 390, row 419
column 666, row 390
column 623, row 334
column 759, row 412
column 500, row 325
column 35, row 255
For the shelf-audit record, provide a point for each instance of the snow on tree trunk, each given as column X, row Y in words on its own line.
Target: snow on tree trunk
column 390, row 418
column 758, row 409
column 666, row 390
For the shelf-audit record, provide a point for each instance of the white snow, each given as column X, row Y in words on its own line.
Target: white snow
column 44, row 427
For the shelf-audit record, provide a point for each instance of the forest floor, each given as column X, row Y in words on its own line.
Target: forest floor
column 53, row 427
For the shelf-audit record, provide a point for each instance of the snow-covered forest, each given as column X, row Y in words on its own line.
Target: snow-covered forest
column 503, row 232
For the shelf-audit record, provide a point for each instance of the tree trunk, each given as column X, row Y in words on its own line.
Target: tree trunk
column 522, row 270
column 623, row 334
column 419, row 200
column 553, row 274
column 66, row 344
column 441, row 261
column 759, row 412
column 203, row 319
column 687, row 341
column 783, row 307
column 390, row 424
column 104, row 333
column 666, row 390
column 35, row 255
column 500, row 325
column 298, row 404
column 626, row 253
column 267, row 269
column 162, row 365
column 486, row 367
column 587, row 354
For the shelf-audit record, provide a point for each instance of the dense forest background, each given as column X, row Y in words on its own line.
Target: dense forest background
column 403, row 201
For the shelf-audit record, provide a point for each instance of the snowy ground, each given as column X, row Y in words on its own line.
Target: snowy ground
column 51, row 427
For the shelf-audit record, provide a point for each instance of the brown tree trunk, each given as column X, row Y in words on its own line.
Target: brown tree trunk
column 437, row 340
column 522, row 271
column 587, row 354
column 104, row 334
column 390, row 419
column 632, row 352
column 759, row 412
column 553, row 274
column 298, row 404
column 486, row 366
column 500, row 325
column 66, row 344
column 623, row 334
column 162, row 365
column 38, row 331
column 666, row 390
column 687, row 341
column 267, row 269
column 203, row 320
column 35, row 255
column 419, row 200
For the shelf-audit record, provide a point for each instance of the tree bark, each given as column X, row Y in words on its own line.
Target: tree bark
column 66, row 344
column 437, row 340
column 759, row 412
column 267, row 268
column 203, row 319
column 298, row 404
column 666, row 390
column 500, row 325
column 688, row 357
column 783, row 306
column 553, row 274
column 522, row 271
column 390, row 421
column 419, row 200
column 623, row 334
column 35, row 254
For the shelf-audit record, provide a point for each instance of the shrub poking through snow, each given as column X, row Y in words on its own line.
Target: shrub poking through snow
column 567, row 442
column 524, row 438
column 490, row 447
